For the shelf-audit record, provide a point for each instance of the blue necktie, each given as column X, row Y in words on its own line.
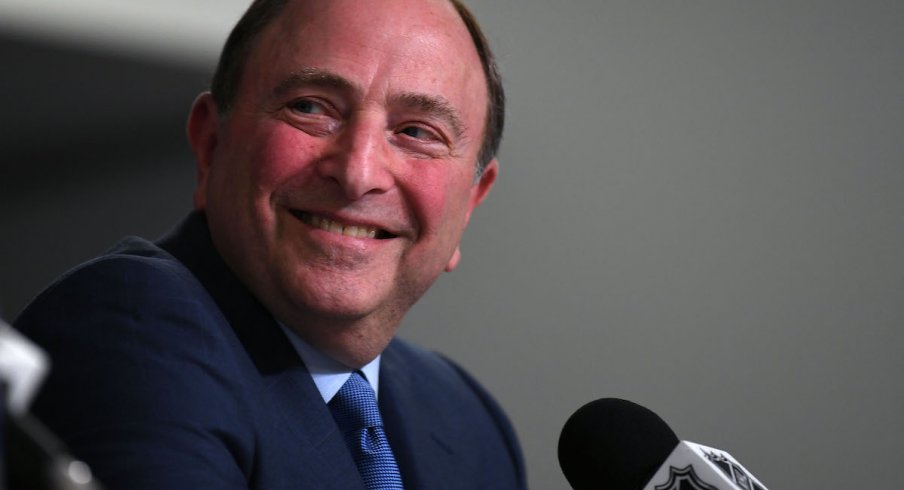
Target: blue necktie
column 356, row 413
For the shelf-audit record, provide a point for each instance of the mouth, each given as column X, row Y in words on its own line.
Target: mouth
column 347, row 229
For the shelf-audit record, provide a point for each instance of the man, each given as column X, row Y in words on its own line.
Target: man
column 340, row 155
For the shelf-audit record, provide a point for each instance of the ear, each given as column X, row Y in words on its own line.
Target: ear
column 479, row 192
column 203, row 125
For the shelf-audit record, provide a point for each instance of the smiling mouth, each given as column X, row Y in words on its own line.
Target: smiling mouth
column 354, row 231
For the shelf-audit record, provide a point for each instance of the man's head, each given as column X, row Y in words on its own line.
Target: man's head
column 336, row 162
column 261, row 12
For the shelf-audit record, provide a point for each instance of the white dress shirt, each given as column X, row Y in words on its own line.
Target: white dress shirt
column 329, row 374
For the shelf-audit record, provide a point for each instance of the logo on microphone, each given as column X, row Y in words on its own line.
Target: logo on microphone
column 732, row 470
column 684, row 479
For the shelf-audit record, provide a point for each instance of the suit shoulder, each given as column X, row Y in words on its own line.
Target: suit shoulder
column 135, row 296
column 132, row 263
column 139, row 354
column 135, row 274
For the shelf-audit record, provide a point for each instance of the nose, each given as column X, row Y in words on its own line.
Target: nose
column 359, row 160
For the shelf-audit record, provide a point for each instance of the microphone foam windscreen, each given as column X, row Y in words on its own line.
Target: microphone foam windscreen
column 613, row 444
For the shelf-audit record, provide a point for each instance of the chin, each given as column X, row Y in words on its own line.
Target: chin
column 334, row 306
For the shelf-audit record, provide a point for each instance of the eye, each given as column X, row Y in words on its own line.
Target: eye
column 312, row 115
column 419, row 133
column 307, row 106
column 414, row 132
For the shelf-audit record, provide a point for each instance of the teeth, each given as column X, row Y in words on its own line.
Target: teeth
column 336, row 227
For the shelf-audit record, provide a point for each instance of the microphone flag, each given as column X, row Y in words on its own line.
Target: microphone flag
column 693, row 466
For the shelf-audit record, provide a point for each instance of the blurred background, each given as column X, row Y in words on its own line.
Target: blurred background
column 700, row 208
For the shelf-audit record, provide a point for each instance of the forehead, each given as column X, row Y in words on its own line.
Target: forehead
column 419, row 46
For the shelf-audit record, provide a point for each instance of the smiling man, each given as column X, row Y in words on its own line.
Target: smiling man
column 340, row 154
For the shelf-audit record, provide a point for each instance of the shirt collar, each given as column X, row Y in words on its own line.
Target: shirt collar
column 329, row 374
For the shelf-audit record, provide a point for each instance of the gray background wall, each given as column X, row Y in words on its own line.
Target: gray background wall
column 699, row 210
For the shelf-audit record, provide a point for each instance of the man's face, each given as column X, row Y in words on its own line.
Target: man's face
column 339, row 184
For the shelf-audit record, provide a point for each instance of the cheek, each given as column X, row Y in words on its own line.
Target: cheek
column 441, row 199
column 276, row 159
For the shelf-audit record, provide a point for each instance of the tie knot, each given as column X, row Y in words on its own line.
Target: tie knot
column 355, row 405
column 356, row 413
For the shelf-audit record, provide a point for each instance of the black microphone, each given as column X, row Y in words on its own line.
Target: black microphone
column 619, row 445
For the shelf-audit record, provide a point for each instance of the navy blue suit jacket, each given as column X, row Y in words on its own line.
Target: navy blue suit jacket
column 168, row 374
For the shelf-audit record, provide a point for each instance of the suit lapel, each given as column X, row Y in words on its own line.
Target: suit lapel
column 305, row 423
column 297, row 413
column 425, row 445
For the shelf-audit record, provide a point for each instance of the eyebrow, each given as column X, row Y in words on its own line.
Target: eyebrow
column 433, row 105
column 314, row 77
